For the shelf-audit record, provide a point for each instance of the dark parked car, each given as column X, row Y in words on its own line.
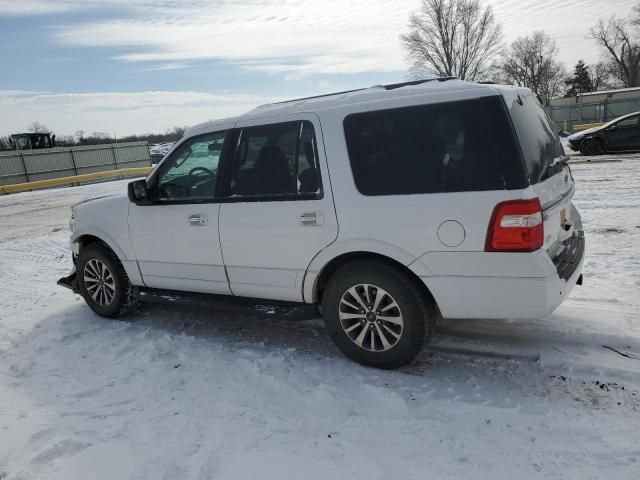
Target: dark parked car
column 621, row 134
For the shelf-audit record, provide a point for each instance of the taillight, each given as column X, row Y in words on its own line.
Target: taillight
column 516, row 226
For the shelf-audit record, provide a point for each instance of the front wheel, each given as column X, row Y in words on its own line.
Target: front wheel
column 376, row 314
column 103, row 282
column 591, row 147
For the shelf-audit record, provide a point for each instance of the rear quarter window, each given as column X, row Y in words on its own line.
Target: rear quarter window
column 446, row 147
column 539, row 141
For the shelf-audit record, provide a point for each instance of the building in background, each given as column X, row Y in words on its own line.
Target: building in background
column 590, row 109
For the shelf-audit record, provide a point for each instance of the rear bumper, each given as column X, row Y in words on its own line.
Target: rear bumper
column 510, row 297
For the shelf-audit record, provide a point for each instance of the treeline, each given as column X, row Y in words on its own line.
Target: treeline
column 464, row 39
column 98, row 138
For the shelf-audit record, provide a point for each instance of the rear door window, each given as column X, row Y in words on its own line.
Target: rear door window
column 276, row 160
column 539, row 141
column 446, row 147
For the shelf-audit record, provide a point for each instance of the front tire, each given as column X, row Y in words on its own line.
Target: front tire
column 103, row 282
column 591, row 147
column 376, row 314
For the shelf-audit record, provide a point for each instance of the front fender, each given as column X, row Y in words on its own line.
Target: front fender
column 102, row 235
column 128, row 261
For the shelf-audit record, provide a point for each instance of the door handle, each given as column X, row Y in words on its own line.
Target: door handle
column 198, row 220
column 311, row 219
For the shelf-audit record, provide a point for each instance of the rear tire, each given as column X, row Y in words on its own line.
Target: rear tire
column 103, row 282
column 591, row 147
column 377, row 315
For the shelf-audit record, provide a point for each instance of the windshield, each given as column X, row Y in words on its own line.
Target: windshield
column 540, row 144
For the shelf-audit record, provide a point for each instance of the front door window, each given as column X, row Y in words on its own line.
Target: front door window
column 190, row 173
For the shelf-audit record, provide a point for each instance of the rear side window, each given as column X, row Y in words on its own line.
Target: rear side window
column 539, row 141
column 277, row 159
column 446, row 147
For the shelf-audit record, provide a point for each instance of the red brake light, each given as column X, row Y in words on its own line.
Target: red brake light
column 516, row 226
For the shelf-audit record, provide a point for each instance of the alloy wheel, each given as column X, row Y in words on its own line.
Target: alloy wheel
column 99, row 282
column 371, row 317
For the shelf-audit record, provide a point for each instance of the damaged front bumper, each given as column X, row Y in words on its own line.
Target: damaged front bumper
column 70, row 281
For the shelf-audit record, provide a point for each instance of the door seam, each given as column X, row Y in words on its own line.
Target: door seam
column 224, row 263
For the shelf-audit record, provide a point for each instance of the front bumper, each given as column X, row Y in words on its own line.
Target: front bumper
column 70, row 281
column 575, row 145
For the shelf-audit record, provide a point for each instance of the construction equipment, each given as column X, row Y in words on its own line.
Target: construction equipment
column 33, row 141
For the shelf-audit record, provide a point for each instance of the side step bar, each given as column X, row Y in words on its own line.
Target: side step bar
column 226, row 303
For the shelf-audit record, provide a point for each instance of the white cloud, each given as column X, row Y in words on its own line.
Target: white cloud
column 32, row 7
column 297, row 38
column 115, row 112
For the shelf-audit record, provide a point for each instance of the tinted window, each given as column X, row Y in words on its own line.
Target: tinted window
column 446, row 147
column 539, row 142
column 307, row 161
column 277, row 159
column 191, row 171
column 22, row 143
column 627, row 122
column 40, row 141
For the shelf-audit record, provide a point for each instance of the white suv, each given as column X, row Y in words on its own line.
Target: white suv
column 387, row 207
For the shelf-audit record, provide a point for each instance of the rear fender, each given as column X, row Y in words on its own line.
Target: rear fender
column 362, row 245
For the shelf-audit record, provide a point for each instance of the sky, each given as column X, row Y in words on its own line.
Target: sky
column 136, row 66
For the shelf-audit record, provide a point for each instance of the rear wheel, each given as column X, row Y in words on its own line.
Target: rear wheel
column 103, row 282
column 591, row 147
column 376, row 314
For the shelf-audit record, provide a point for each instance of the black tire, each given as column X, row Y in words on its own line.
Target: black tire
column 591, row 147
column 415, row 310
column 124, row 297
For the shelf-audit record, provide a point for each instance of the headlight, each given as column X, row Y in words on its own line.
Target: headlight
column 72, row 223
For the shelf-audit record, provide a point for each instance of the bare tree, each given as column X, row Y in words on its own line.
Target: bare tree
column 177, row 132
column 619, row 39
column 6, row 143
column 65, row 141
column 37, row 127
column 601, row 76
column 531, row 62
column 452, row 38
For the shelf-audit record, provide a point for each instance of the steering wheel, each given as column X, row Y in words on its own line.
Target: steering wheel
column 205, row 170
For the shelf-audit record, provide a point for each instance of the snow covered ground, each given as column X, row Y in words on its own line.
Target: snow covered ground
column 182, row 392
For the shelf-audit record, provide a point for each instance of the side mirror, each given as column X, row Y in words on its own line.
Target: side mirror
column 139, row 192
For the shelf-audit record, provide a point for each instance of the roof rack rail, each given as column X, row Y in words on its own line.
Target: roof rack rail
column 318, row 96
column 393, row 86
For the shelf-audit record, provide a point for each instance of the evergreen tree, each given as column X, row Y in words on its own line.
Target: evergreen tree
column 581, row 80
